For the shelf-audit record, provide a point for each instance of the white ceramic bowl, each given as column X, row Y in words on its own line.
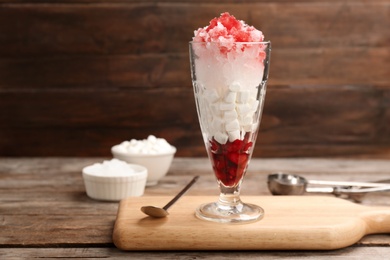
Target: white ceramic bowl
column 115, row 188
column 157, row 164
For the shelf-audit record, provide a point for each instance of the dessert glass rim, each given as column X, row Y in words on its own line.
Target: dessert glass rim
column 262, row 42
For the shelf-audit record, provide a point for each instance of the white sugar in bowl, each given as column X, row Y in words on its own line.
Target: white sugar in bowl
column 114, row 180
column 153, row 153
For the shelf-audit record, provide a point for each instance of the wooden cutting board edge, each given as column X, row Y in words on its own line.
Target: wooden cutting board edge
column 284, row 227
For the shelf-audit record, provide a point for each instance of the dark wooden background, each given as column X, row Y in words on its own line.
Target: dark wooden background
column 77, row 77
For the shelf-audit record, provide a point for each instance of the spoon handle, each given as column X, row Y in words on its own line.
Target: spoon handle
column 181, row 193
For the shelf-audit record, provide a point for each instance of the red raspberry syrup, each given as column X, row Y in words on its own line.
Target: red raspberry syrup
column 230, row 160
column 233, row 28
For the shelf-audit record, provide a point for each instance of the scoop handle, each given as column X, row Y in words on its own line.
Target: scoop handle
column 181, row 193
column 347, row 183
column 329, row 190
column 362, row 190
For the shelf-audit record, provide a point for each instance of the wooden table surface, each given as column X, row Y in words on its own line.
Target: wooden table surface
column 44, row 211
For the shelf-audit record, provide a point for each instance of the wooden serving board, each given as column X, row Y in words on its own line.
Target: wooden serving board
column 290, row 222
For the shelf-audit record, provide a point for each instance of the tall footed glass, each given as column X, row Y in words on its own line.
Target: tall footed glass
column 229, row 81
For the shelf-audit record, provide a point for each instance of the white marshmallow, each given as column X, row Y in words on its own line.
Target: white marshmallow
column 151, row 139
column 235, row 86
column 250, row 128
column 114, row 167
column 243, row 109
column 217, row 124
column 122, row 148
column 243, row 96
column 132, row 142
column 215, row 109
column 151, row 145
column 246, row 120
column 227, row 106
column 232, row 126
column 234, row 135
column 230, row 97
column 230, row 115
column 124, row 143
column 221, row 137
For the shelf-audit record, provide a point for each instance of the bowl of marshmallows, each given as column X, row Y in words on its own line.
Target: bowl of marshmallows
column 113, row 180
column 136, row 164
column 155, row 154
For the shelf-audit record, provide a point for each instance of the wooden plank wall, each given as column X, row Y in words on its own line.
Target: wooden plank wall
column 77, row 77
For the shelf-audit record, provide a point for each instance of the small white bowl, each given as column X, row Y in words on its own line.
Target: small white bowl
column 157, row 164
column 115, row 188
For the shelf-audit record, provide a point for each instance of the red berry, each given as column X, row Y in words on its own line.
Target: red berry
column 230, row 160
column 243, row 160
column 247, row 146
column 234, row 146
column 213, row 146
column 233, row 157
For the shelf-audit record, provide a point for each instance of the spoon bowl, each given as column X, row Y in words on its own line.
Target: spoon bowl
column 154, row 211
column 286, row 184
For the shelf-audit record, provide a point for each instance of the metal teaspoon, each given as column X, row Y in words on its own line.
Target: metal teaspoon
column 157, row 212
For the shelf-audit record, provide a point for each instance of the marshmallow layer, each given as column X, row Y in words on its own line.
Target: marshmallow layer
column 228, row 115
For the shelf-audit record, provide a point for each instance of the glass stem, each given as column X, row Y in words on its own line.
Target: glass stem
column 229, row 196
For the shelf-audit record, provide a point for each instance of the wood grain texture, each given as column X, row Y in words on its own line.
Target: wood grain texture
column 44, row 211
column 85, row 75
column 109, row 252
column 330, row 120
column 307, row 226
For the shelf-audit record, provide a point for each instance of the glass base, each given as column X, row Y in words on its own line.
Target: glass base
column 239, row 213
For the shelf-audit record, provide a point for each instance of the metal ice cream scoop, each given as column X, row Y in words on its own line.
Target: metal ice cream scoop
column 290, row 184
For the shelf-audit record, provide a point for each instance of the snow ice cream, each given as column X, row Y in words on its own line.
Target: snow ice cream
column 229, row 84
